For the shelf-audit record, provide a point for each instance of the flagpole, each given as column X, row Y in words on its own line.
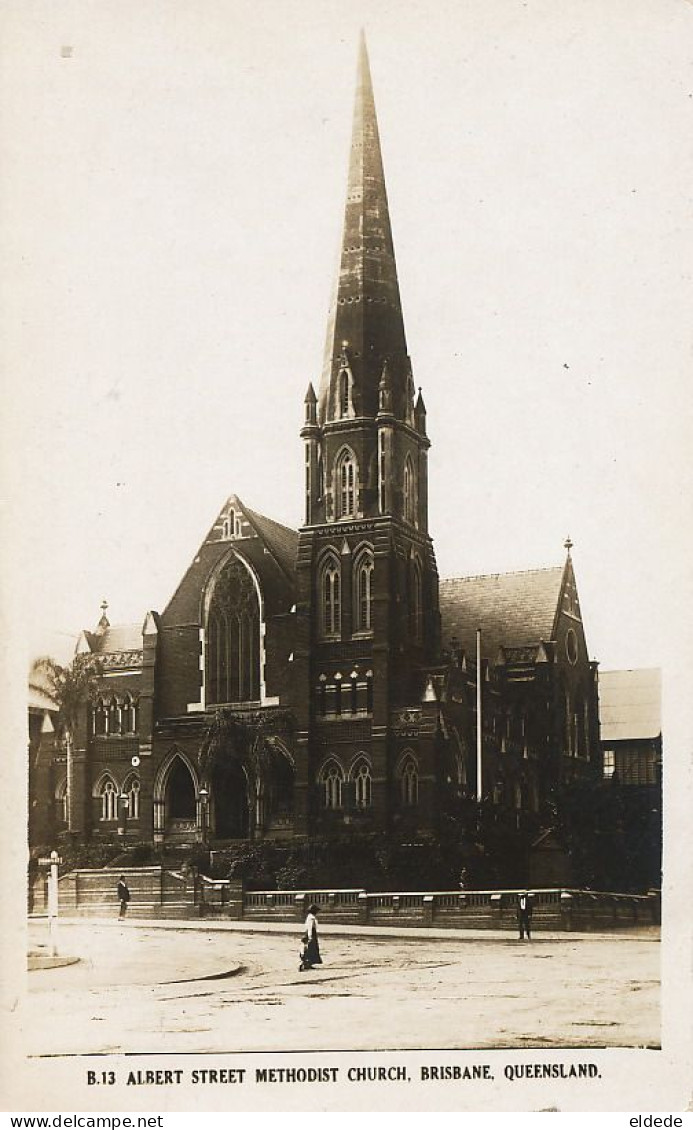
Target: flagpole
column 479, row 783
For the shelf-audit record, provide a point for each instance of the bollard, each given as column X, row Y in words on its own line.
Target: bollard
column 53, row 860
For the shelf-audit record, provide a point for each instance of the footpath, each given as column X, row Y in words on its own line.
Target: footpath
column 353, row 930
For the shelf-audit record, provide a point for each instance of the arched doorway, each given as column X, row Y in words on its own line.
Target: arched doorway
column 180, row 793
column 281, row 794
column 230, row 815
column 180, row 803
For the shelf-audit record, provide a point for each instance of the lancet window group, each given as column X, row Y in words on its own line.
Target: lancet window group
column 337, row 790
column 233, row 638
column 331, row 582
column 115, row 715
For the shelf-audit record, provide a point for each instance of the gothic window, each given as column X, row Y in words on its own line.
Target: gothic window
column 133, row 794
column 128, row 715
column 415, row 600
column 100, row 718
column 409, row 783
column 330, row 597
column 363, row 784
column 409, row 491
column 109, row 800
column 568, row 725
column 331, row 781
column 346, row 485
column 113, row 717
column 61, row 801
column 233, row 638
column 344, row 393
column 382, row 472
column 363, row 585
column 322, row 695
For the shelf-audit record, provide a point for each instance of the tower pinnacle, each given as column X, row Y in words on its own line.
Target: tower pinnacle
column 366, row 318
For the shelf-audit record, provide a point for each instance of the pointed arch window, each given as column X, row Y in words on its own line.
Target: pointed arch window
column 331, row 598
column 100, row 718
column 363, row 592
column 363, row 784
column 415, row 599
column 409, row 491
column 113, row 716
column 331, row 782
column 132, row 792
column 109, row 800
column 61, row 801
column 344, row 393
column 233, row 637
column 409, row 783
column 346, row 485
column 127, row 715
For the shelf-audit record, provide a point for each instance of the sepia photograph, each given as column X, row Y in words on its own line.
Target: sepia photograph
column 347, row 555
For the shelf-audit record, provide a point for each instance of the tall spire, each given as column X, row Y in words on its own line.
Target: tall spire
column 365, row 325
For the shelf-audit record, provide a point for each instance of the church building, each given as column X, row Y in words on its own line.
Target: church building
column 324, row 681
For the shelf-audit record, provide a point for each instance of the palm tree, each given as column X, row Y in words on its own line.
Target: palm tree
column 70, row 688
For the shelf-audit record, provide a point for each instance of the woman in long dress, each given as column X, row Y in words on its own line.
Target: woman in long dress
column 311, row 950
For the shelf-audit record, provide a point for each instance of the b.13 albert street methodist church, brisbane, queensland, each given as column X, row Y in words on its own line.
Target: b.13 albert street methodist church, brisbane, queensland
column 324, row 683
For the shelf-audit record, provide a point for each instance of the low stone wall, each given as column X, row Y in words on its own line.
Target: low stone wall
column 160, row 893
column 154, row 893
column 553, row 909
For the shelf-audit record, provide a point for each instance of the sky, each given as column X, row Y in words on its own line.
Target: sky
column 173, row 200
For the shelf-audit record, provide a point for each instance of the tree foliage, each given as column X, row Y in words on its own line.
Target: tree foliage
column 253, row 739
column 69, row 687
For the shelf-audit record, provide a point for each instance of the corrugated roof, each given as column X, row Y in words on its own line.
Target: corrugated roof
column 630, row 704
column 512, row 609
column 40, row 701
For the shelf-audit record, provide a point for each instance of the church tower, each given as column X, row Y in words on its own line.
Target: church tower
column 367, row 583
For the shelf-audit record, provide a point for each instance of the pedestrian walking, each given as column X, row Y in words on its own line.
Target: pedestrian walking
column 124, row 896
column 524, row 915
column 310, row 954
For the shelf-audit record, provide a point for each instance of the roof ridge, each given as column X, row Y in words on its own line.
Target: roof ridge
column 272, row 521
column 508, row 573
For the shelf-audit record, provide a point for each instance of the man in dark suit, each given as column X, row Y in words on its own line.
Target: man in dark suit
column 124, row 896
column 524, row 915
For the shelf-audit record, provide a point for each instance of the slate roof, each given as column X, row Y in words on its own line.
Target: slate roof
column 280, row 540
column 630, row 704
column 118, row 637
column 512, row 609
